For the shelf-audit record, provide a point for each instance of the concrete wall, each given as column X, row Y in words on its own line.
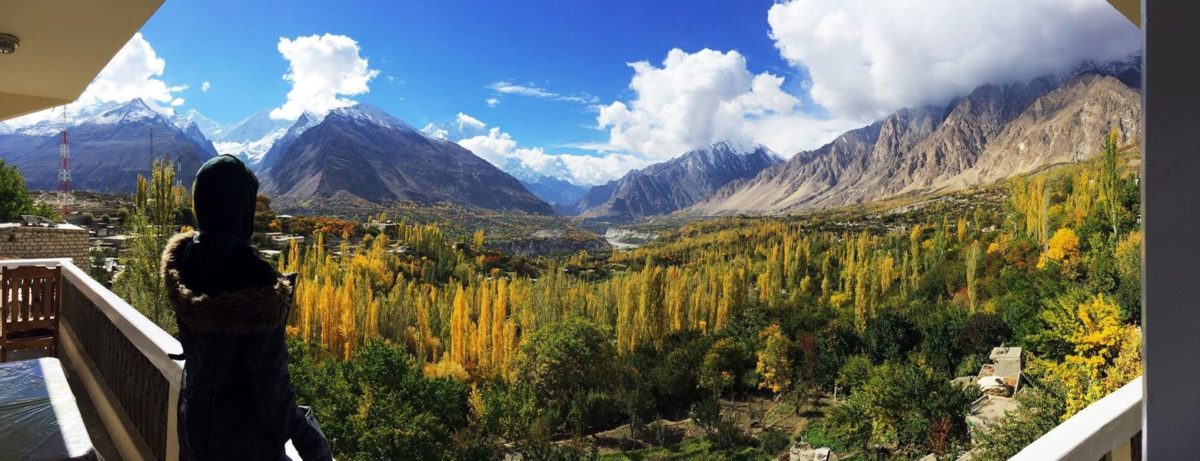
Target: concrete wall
column 64, row 241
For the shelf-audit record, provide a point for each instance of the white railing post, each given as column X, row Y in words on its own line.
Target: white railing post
column 1103, row 428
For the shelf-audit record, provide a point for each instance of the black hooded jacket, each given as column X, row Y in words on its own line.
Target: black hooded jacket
column 237, row 401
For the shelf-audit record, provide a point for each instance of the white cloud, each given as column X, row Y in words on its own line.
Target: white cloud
column 593, row 170
column 500, row 149
column 493, row 102
column 696, row 99
column 504, row 87
column 205, row 86
column 466, row 122
column 862, row 58
column 322, row 69
column 523, row 90
column 867, row 58
column 691, row 101
column 134, row 72
column 463, row 126
column 792, row 133
column 495, row 146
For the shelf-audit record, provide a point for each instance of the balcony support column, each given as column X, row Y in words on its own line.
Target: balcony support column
column 1171, row 225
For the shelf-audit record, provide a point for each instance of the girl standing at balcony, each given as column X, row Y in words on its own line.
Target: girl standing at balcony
column 237, row 400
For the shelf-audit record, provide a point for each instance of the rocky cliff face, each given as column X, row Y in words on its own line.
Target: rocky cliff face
column 995, row 132
column 1064, row 126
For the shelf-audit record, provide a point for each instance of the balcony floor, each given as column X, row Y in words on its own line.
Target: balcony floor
column 95, row 426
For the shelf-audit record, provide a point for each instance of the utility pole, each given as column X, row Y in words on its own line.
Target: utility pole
column 64, row 159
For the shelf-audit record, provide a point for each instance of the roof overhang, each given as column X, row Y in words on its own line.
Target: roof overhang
column 1132, row 9
column 64, row 44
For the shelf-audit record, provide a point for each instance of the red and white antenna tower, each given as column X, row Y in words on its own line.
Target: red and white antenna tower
column 64, row 158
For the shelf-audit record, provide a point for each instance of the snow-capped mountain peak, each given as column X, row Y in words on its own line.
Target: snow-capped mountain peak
column 367, row 113
column 52, row 125
column 719, row 151
column 262, row 155
column 135, row 110
column 734, row 146
column 251, row 138
column 211, row 128
column 252, row 128
column 677, row 183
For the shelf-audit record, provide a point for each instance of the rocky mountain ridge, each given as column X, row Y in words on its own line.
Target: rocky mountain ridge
column 996, row 131
column 361, row 152
column 676, row 184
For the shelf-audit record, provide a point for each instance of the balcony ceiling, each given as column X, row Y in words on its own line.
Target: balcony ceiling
column 64, row 44
column 1132, row 9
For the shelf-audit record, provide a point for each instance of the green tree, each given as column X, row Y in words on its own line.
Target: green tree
column 378, row 404
column 903, row 405
column 1038, row 411
column 940, row 331
column 163, row 199
column 505, row 409
column 849, row 425
column 854, row 373
column 719, row 427
column 725, row 365
column 565, row 361
column 14, row 197
column 672, row 372
column 981, row 333
column 263, row 215
column 971, row 262
column 890, row 336
column 98, row 271
column 44, row 210
column 1129, row 270
column 140, row 282
column 1110, row 185
column 150, row 225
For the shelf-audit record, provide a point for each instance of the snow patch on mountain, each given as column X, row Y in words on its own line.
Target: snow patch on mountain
column 253, row 151
column 134, row 111
column 211, row 128
column 368, row 114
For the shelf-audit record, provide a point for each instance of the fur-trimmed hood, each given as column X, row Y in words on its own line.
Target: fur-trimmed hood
column 252, row 309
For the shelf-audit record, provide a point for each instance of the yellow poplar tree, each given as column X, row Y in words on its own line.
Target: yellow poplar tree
column 773, row 365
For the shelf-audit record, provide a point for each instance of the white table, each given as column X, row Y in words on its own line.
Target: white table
column 39, row 419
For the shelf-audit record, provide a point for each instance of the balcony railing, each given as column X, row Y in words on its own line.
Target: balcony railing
column 1109, row 429
column 121, row 359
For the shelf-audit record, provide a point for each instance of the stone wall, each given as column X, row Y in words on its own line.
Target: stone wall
column 64, row 241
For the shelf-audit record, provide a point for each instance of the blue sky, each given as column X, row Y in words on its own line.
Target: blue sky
column 437, row 58
column 588, row 90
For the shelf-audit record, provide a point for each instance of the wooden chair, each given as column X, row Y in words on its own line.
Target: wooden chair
column 30, row 301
